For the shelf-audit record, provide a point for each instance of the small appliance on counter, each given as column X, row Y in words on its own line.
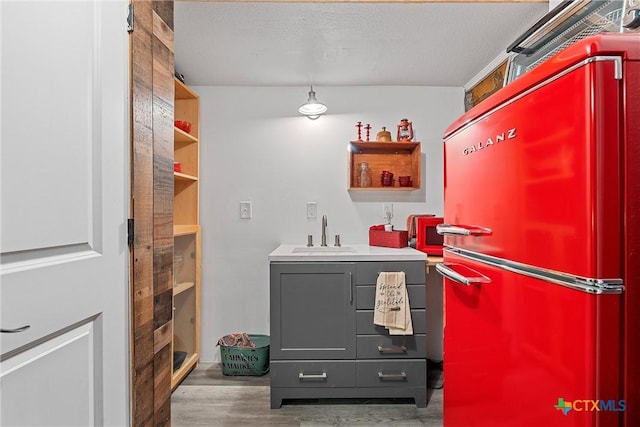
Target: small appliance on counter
column 427, row 238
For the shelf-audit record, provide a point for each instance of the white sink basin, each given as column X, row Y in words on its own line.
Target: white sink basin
column 354, row 252
column 323, row 249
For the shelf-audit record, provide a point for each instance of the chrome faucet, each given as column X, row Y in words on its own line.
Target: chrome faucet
column 324, row 231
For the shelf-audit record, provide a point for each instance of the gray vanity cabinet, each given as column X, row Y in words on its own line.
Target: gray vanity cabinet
column 313, row 310
column 323, row 340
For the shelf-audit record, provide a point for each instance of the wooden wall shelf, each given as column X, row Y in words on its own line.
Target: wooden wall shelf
column 399, row 158
column 180, row 136
column 178, row 288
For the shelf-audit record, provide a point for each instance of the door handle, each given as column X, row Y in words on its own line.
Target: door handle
column 470, row 277
column 462, row 230
column 16, row 330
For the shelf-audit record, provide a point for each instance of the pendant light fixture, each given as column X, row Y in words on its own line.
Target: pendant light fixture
column 312, row 108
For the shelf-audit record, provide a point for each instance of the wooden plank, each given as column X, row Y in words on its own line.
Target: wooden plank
column 181, row 230
column 142, row 393
column 163, row 308
column 163, row 107
column 164, row 10
column 142, row 190
column 162, row 387
column 180, row 136
column 162, row 32
column 163, row 129
column 162, row 337
column 181, row 287
column 152, row 169
column 142, row 159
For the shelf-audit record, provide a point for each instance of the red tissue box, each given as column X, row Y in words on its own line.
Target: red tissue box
column 388, row 239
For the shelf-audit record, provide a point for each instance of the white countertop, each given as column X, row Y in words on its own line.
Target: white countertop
column 363, row 252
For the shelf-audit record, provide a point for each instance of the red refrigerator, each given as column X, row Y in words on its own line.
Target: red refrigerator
column 542, row 246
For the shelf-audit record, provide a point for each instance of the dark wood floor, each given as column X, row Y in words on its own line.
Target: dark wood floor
column 208, row 398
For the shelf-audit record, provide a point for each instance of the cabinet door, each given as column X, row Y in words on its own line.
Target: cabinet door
column 313, row 311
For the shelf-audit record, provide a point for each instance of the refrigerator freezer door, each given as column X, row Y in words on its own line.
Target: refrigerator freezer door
column 541, row 173
column 517, row 351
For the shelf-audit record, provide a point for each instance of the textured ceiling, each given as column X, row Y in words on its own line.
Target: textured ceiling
column 343, row 44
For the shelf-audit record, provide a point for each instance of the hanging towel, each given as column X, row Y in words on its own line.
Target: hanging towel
column 391, row 308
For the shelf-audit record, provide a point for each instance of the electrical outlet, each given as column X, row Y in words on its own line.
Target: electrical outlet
column 387, row 211
column 312, row 210
column 245, row 210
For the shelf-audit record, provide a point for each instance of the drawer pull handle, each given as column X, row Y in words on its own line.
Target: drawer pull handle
column 303, row 376
column 394, row 349
column 401, row 376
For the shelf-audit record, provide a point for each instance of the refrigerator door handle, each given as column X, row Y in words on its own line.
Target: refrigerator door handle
column 464, row 275
column 462, row 230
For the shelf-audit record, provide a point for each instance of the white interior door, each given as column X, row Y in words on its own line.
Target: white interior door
column 64, row 202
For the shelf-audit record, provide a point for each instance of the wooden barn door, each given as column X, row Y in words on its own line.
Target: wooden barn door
column 152, row 69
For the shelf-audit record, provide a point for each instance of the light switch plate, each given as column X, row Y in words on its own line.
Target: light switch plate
column 312, row 210
column 245, row 210
column 387, row 211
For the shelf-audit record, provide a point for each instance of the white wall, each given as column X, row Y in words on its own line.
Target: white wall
column 255, row 147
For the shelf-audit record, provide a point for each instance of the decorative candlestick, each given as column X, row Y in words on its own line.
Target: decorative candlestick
column 368, row 129
column 359, row 126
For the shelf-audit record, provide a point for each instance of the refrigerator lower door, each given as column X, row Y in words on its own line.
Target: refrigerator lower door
column 522, row 352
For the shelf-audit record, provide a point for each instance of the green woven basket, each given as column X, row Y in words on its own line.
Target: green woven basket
column 251, row 361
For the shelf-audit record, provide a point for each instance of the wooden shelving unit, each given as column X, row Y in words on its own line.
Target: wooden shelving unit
column 400, row 158
column 186, row 234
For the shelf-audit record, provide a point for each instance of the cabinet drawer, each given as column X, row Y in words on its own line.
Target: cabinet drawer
column 391, row 373
column 366, row 296
column 391, row 346
column 367, row 272
column 303, row 373
column 365, row 326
